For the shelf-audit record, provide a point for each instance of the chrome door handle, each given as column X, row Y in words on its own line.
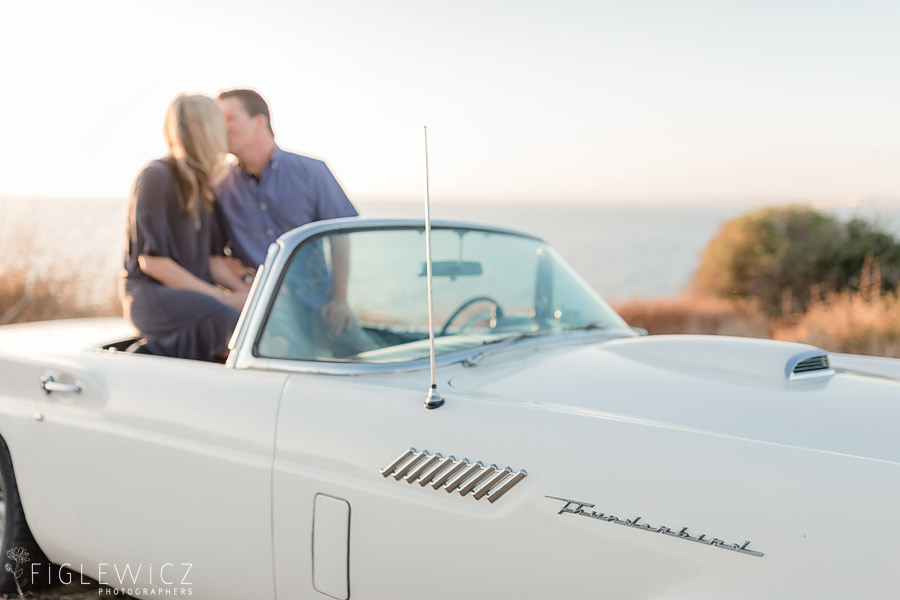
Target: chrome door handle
column 48, row 384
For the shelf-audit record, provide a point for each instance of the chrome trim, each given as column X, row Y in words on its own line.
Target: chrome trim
column 462, row 477
column 493, row 497
column 453, row 475
column 478, row 479
column 500, row 476
column 473, row 360
column 813, row 375
column 240, row 330
column 294, row 237
column 388, row 470
column 48, row 384
column 350, row 368
column 414, row 476
column 446, row 476
column 682, row 534
column 443, row 464
column 400, row 474
column 433, row 399
column 262, row 297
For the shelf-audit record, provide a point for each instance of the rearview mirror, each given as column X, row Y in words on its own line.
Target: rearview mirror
column 452, row 268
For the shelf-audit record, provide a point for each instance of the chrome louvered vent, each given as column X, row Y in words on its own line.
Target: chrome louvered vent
column 816, row 363
column 809, row 365
column 453, row 475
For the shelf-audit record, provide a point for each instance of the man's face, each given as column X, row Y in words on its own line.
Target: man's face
column 242, row 128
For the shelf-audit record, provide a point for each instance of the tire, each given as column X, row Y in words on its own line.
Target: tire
column 15, row 534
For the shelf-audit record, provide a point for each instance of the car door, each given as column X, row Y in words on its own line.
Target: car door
column 156, row 474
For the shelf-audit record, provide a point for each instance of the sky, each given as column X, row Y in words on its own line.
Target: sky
column 564, row 101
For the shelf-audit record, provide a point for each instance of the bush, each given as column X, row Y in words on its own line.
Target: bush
column 781, row 257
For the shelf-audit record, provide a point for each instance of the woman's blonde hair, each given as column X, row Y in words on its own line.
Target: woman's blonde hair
column 195, row 131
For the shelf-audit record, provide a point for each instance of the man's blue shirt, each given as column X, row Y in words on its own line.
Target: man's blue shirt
column 291, row 191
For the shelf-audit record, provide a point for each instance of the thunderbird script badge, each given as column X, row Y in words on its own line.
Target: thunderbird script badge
column 576, row 507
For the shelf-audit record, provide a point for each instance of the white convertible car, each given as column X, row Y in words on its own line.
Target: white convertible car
column 572, row 457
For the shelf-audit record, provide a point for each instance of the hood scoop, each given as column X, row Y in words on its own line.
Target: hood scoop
column 808, row 365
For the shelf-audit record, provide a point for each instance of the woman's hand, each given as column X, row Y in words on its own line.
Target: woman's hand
column 230, row 272
column 235, row 298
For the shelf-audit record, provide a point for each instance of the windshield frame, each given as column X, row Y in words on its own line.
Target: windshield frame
column 246, row 338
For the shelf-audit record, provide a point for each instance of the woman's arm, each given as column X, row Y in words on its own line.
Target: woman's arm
column 171, row 274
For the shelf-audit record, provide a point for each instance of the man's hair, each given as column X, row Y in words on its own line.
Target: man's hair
column 252, row 102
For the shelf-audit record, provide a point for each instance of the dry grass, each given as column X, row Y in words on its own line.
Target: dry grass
column 848, row 322
column 695, row 314
column 33, row 293
column 855, row 322
column 48, row 296
column 862, row 321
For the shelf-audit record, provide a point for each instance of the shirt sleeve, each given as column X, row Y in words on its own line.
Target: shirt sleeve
column 331, row 201
column 151, row 232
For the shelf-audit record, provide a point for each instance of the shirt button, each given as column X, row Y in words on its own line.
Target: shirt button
column 263, row 206
column 252, row 182
column 274, row 165
column 270, row 231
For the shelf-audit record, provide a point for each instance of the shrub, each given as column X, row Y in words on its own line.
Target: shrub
column 779, row 257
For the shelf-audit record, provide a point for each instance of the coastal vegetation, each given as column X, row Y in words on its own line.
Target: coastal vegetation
column 790, row 273
column 787, row 258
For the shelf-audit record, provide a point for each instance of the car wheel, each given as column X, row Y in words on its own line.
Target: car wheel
column 19, row 550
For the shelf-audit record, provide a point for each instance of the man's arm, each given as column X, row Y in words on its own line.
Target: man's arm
column 336, row 312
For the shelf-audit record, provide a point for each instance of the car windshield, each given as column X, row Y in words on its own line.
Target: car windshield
column 361, row 296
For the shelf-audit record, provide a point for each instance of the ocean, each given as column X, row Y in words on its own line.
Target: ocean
column 624, row 251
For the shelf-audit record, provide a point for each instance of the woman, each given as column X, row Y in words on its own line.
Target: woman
column 173, row 260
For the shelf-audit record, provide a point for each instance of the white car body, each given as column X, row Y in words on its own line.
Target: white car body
column 645, row 467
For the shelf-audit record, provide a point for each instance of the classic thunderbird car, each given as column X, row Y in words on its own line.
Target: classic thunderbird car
column 572, row 456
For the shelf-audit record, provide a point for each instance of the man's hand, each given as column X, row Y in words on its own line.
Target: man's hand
column 337, row 316
column 240, row 271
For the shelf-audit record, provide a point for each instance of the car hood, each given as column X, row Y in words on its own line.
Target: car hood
column 734, row 387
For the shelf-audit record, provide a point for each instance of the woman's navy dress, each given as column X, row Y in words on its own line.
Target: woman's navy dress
column 174, row 322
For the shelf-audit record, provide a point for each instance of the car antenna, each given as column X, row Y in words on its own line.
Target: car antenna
column 433, row 398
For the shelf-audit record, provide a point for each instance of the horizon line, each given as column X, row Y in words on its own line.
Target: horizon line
column 874, row 201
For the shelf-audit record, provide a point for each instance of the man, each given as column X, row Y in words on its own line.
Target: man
column 268, row 192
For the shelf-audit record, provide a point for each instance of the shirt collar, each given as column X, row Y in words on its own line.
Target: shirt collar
column 277, row 153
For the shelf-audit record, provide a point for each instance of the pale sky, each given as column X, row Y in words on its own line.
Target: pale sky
column 719, row 100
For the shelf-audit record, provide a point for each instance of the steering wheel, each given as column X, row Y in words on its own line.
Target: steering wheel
column 464, row 306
